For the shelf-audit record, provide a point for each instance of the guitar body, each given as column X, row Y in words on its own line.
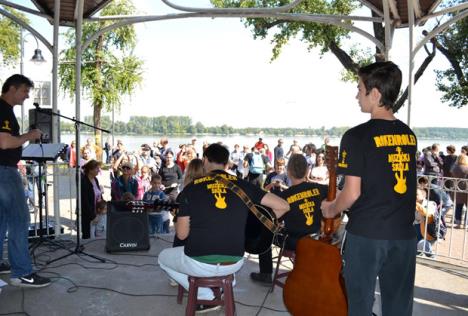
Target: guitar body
column 315, row 285
column 258, row 238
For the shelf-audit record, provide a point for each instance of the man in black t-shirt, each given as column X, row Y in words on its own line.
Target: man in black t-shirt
column 378, row 160
column 212, row 220
column 14, row 214
column 304, row 217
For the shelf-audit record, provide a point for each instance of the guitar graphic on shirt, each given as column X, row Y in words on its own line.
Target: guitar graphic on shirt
column 400, row 186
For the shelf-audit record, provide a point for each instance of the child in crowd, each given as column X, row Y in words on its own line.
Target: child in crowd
column 155, row 193
column 98, row 224
column 424, row 213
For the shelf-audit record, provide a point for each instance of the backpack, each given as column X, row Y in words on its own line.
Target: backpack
column 257, row 166
column 437, row 229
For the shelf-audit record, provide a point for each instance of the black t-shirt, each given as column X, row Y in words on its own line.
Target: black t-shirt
column 305, row 215
column 9, row 124
column 170, row 175
column 383, row 154
column 217, row 216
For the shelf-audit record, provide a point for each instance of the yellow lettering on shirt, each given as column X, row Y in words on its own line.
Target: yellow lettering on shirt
column 400, row 165
column 303, row 195
column 307, row 208
column 394, row 140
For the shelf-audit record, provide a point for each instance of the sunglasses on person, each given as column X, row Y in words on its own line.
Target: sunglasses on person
column 126, row 168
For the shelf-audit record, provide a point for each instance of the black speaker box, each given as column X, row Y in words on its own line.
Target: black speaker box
column 126, row 230
column 43, row 121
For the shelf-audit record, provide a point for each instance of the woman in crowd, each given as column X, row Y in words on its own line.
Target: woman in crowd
column 171, row 176
column 193, row 171
column 319, row 173
column 460, row 170
column 90, row 194
column 127, row 182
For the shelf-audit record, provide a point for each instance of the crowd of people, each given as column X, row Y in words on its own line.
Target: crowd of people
column 381, row 195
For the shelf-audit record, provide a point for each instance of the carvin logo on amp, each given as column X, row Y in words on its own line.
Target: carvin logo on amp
column 128, row 245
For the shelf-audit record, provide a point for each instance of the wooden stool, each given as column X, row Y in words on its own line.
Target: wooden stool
column 215, row 283
column 277, row 276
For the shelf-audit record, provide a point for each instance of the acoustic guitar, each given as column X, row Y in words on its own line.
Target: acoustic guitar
column 425, row 217
column 262, row 224
column 258, row 237
column 315, row 285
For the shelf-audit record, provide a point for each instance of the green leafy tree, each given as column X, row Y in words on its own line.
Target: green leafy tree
column 10, row 38
column 453, row 44
column 328, row 38
column 109, row 68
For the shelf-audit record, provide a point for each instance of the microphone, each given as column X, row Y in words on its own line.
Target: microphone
column 41, row 138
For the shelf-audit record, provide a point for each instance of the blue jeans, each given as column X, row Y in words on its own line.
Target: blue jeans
column 14, row 218
column 155, row 224
column 393, row 261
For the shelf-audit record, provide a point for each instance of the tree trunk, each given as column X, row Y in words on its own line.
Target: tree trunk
column 343, row 57
column 98, row 103
column 417, row 75
column 379, row 33
column 97, row 108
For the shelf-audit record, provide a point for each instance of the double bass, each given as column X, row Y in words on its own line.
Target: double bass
column 315, row 285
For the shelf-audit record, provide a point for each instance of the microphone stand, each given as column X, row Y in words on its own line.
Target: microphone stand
column 79, row 249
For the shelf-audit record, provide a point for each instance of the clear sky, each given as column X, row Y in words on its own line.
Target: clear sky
column 215, row 72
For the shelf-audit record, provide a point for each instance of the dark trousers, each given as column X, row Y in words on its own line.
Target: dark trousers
column 255, row 179
column 392, row 261
column 265, row 260
column 85, row 227
column 458, row 213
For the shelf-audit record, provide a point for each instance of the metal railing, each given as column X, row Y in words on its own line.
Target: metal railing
column 452, row 247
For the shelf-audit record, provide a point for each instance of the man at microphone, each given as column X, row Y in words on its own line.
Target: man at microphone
column 14, row 214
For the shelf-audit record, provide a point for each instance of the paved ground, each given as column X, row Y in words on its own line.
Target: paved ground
column 133, row 284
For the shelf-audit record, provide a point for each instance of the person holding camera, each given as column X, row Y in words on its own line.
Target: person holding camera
column 277, row 181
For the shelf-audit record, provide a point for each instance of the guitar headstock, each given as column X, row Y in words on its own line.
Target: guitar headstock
column 137, row 206
column 331, row 157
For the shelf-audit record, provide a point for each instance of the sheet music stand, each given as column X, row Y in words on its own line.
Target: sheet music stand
column 41, row 153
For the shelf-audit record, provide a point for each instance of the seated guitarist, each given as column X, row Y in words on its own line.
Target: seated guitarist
column 212, row 220
column 304, row 217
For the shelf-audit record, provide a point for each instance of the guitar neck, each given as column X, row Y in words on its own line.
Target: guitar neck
column 155, row 206
column 331, row 157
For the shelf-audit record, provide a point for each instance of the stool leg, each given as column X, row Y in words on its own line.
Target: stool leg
column 180, row 294
column 192, row 298
column 275, row 276
column 229, row 306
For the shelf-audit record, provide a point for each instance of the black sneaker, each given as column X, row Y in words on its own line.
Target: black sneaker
column 4, row 268
column 33, row 280
column 201, row 309
column 264, row 278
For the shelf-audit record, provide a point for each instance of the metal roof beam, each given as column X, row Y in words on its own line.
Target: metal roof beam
column 26, row 9
column 284, row 8
column 459, row 7
column 280, row 16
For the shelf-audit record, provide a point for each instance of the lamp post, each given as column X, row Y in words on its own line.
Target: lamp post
column 37, row 59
